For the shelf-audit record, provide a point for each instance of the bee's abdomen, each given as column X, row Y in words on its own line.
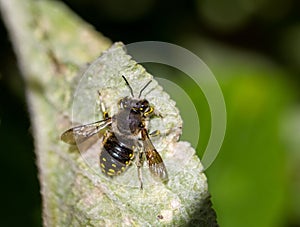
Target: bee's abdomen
column 115, row 156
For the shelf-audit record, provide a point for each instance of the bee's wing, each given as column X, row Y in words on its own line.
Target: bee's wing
column 155, row 162
column 81, row 133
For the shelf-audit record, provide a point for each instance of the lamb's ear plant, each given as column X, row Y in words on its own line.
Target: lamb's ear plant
column 54, row 47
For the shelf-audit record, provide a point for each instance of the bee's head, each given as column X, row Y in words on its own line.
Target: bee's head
column 137, row 105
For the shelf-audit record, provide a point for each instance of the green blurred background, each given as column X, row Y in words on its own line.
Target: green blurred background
column 253, row 49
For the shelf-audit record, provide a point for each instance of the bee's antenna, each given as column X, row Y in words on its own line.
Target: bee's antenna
column 131, row 91
column 144, row 88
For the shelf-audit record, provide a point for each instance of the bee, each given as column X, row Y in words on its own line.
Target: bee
column 125, row 137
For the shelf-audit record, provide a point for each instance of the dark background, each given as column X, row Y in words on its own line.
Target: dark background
column 253, row 48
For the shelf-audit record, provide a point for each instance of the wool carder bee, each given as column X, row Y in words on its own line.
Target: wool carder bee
column 125, row 139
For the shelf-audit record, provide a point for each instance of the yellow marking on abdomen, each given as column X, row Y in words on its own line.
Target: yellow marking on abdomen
column 111, row 170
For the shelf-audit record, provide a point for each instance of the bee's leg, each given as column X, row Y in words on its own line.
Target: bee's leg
column 154, row 133
column 140, row 161
column 151, row 112
column 102, row 107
